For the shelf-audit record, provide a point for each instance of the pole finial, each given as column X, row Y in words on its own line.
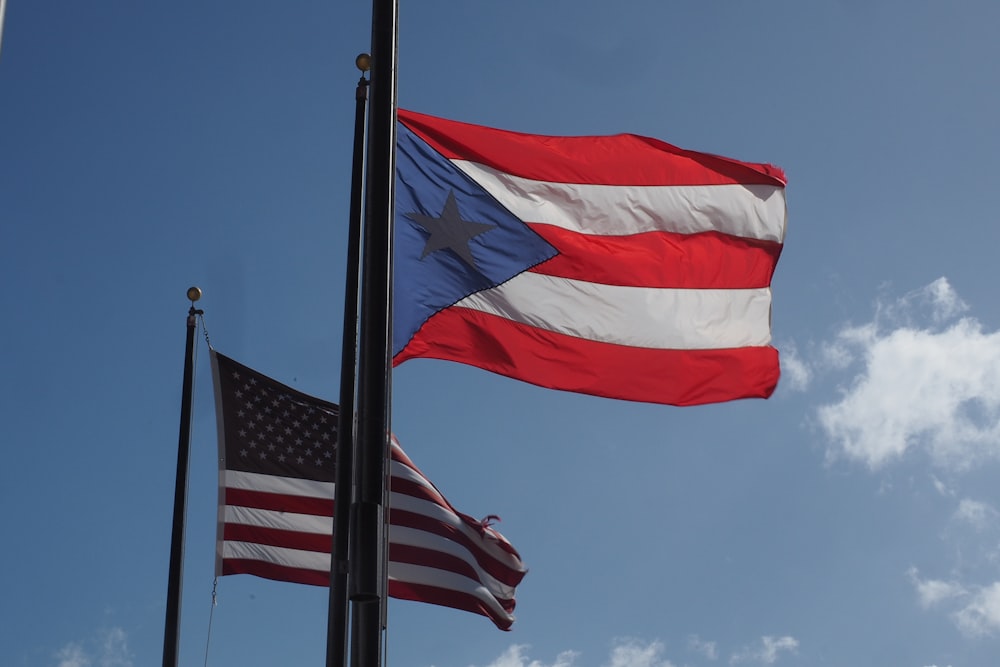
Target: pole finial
column 193, row 294
column 363, row 62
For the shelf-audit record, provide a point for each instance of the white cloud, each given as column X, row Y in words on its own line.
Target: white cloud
column 632, row 653
column 514, row 657
column 72, row 655
column 766, row 651
column 981, row 617
column 941, row 487
column 706, row 648
column 795, row 372
column 624, row 653
column 110, row 650
column 944, row 300
column 920, row 385
column 979, row 613
column 976, row 513
column 114, row 649
column 933, row 591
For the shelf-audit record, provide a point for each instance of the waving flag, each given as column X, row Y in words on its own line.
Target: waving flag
column 618, row 266
column 277, row 449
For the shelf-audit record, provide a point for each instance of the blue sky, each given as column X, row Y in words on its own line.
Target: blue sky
column 851, row 519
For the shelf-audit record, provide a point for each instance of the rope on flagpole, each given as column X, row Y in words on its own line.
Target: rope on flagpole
column 211, row 615
column 204, row 330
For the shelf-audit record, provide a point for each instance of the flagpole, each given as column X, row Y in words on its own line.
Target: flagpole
column 3, row 10
column 171, row 628
column 336, row 636
column 368, row 574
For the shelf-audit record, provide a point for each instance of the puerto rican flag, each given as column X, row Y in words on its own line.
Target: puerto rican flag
column 617, row 266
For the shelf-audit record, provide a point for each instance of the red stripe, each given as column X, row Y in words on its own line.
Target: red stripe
column 408, row 487
column 404, row 590
column 623, row 159
column 497, row 569
column 413, row 489
column 660, row 259
column 276, row 537
column 279, row 502
column 405, row 553
column 398, row 589
column 417, row 490
column 295, row 575
column 558, row 361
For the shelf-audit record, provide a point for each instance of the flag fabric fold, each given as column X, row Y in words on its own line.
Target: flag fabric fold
column 277, row 453
column 618, row 266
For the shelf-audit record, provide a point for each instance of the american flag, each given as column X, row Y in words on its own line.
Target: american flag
column 277, row 453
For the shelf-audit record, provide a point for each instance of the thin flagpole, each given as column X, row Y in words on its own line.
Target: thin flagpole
column 171, row 627
column 3, row 10
column 337, row 617
column 367, row 580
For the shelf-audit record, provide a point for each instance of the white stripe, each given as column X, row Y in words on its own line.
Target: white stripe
column 308, row 560
column 750, row 211
column 418, row 574
column 663, row 319
column 419, row 538
column 308, row 523
column 300, row 523
column 319, row 561
column 398, row 534
column 291, row 486
column 401, row 534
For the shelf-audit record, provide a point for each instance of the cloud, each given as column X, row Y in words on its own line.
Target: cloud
column 926, row 380
column 72, row 655
column 978, row 514
column 978, row 615
column 114, row 649
column 632, row 653
column 930, row 592
column 110, row 649
column 766, row 651
column 981, row 616
column 795, row 372
column 514, row 657
column 624, row 653
column 706, row 648
column 941, row 487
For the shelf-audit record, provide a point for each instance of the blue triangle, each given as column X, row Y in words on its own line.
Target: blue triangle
column 425, row 285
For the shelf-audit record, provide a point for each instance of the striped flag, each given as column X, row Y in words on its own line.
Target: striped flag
column 277, row 449
column 618, row 266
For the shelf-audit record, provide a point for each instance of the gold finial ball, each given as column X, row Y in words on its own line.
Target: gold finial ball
column 363, row 62
column 194, row 293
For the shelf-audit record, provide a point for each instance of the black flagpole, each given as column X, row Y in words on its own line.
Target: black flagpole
column 171, row 628
column 368, row 528
column 336, row 636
